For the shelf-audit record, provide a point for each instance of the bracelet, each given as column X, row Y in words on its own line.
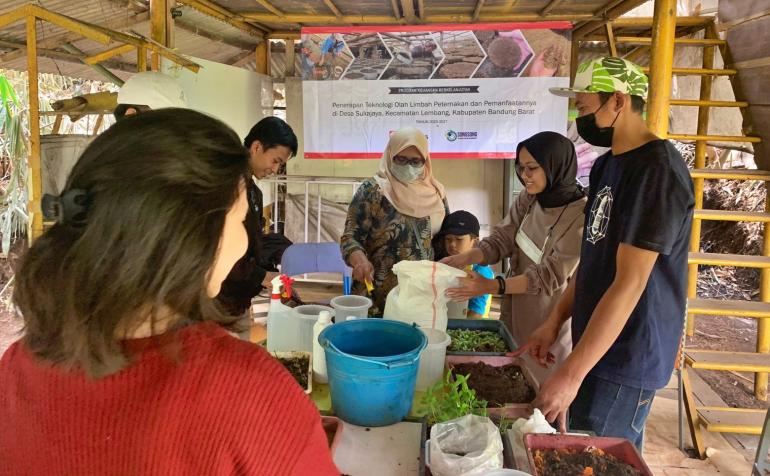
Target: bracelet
column 500, row 285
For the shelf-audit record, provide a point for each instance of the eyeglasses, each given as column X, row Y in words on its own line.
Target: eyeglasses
column 529, row 168
column 414, row 161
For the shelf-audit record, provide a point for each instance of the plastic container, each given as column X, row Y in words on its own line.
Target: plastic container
column 319, row 359
column 306, row 317
column 282, row 325
column 333, row 428
column 372, row 367
column 492, row 325
column 510, row 411
column 352, row 306
column 432, row 358
column 457, row 310
column 620, row 448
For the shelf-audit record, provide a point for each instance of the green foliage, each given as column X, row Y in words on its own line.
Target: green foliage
column 452, row 398
column 13, row 149
column 469, row 340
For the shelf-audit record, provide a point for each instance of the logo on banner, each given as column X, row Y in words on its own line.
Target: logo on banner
column 452, row 136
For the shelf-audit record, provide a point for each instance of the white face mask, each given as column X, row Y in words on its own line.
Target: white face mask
column 408, row 173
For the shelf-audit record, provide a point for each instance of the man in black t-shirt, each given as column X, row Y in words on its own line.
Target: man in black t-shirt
column 628, row 297
column 271, row 143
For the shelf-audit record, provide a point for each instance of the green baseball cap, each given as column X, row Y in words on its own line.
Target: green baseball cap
column 607, row 75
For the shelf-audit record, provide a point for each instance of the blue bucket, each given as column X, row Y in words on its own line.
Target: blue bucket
column 372, row 368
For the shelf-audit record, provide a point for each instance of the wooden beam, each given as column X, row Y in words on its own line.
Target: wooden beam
column 396, row 11
column 107, row 54
column 292, row 18
column 610, row 12
column 17, row 14
column 195, row 30
column 240, row 59
column 17, row 46
column 53, row 41
column 289, row 70
column 574, row 59
column 641, row 22
column 270, row 8
column 84, row 29
column 233, row 19
column 611, row 40
column 35, row 212
column 331, row 6
column 551, row 5
column 661, row 67
column 160, row 17
column 262, row 58
column 407, row 6
column 141, row 59
column 477, row 10
column 421, row 9
column 284, row 35
column 109, row 75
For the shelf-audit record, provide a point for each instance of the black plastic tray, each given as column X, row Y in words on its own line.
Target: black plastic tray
column 492, row 325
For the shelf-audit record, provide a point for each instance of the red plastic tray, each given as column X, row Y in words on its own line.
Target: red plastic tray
column 510, row 411
column 620, row 448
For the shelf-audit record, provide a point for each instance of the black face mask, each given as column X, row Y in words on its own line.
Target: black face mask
column 593, row 134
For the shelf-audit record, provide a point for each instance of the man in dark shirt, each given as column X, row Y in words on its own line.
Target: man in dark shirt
column 628, row 298
column 271, row 143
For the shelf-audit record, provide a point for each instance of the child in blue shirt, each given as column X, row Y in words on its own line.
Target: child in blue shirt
column 460, row 233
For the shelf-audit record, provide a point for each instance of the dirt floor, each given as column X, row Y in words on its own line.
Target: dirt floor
column 10, row 324
column 728, row 333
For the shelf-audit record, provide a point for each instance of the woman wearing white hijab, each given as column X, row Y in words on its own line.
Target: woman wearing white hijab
column 393, row 216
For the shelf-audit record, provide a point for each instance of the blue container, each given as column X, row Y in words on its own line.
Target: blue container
column 372, row 369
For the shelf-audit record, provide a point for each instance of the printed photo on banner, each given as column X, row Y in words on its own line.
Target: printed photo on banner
column 475, row 90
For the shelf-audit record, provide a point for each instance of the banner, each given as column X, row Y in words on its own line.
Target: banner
column 475, row 90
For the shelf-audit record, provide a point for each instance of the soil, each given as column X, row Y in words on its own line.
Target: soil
column 457, row 70
column 728, row 334
column 497, row 385
column 589, row 462
column 504, row 52
column 298, row 368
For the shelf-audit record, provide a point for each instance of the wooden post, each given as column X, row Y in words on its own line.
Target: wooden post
column 262, row 57
column 160, row 22
column 574, row 59
column 35, row 212
column 661, row 66
column 611, row 40
column 141, row 59
column 700, row 162
column 98, row 124
column 56, row 124
column 289, row 59
column 763, row 325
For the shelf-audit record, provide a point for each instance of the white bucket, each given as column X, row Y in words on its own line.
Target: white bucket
column 432, row 358
column 352, row 306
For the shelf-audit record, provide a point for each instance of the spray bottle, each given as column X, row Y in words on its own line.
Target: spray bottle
column 319, row 358
column 279, row 315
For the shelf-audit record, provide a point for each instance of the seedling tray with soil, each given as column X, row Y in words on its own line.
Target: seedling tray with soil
column 504, row 382
column 300, row 366
column 479, row 337
column 566, row 455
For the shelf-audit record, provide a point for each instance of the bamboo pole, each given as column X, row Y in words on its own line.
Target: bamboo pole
column 158, row 28
column 141, row 59
column 262, row 58
column 661, row 65
column 107, row 54
column 36, row 215
column 763, row 326
column 700, row 163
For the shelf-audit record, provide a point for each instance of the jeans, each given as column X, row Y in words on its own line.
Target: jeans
column 610, row 409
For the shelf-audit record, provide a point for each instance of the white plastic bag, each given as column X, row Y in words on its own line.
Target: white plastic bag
column 474, row 437
column 535, row 424
column 421, row 293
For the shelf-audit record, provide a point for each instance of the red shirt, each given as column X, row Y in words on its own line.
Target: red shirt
column 192, row 402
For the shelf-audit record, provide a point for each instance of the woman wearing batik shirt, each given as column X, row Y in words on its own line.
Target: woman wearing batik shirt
column 393, row 216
